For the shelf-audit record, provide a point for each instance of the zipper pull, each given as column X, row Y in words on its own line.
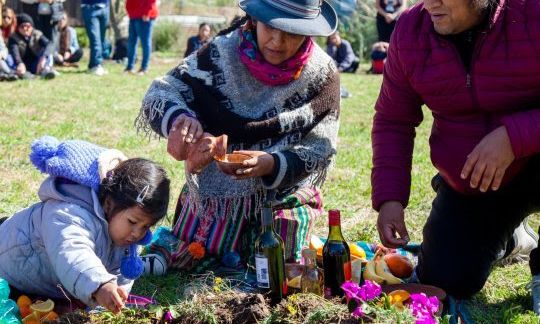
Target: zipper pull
column 468, row 83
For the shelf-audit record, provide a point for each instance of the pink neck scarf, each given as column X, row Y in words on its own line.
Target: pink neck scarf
column 267, row 73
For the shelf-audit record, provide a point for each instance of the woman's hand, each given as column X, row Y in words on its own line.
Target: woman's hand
column 111, row 297
column 185, row 130
column 260, row 164
column 391, row 221
column 488, row 161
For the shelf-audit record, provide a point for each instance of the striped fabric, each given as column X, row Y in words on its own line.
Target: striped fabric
column 294, row 218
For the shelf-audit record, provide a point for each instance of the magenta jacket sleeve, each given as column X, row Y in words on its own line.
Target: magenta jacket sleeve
column 397, row 112
column 524, row 132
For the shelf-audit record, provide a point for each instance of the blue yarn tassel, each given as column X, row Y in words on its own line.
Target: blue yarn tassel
column 131, row 266
column 43, row 149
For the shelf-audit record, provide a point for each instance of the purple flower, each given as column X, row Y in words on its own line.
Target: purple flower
column 370, row 290
column 358, row 312
column 351, row 290
column 168, row 317
column 423, row 308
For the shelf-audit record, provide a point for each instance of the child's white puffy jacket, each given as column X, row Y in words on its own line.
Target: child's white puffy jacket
column 62, row 241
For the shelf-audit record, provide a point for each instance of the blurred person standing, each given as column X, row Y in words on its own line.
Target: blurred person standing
column 199, row 40
column 388, row 12
column 142, row 14
column 96, row 18
column 46, row 15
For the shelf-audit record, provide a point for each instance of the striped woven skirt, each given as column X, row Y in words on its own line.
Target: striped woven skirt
column 294, row 216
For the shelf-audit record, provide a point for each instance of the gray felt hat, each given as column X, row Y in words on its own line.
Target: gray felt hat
column 301, row 17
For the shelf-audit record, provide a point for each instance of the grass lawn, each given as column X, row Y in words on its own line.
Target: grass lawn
column 102, row 110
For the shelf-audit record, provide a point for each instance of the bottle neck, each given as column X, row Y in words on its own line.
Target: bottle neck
column 335, row 233
column 267, row 219
column 334, row 222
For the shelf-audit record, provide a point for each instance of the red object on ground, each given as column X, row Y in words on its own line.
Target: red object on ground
column 377, row 66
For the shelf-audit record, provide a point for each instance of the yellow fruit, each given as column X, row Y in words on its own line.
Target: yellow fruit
column 357, row 251
column 399, row 296
column 295, row 282
column 42, row 306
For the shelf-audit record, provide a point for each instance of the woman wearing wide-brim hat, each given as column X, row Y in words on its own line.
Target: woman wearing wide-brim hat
column 267, row 85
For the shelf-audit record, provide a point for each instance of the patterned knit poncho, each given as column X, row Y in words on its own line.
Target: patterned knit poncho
column 296, row 122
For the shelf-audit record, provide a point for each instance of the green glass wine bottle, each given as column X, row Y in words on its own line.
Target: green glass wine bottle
column 336, row 257
column 270, row 258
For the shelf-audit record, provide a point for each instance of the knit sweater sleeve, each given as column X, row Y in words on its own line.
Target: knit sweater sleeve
column 397, row 113
column 312, row 156
column 166, row 99
column 524, row 132
column 14, row 51
column 70, row 246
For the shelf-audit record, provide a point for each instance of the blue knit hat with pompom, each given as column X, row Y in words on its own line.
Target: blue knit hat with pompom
column 79, row 161
column 72, row 159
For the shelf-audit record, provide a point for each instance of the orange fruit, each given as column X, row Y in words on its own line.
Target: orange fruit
column 399, row 265
column 24, row 303
column 31, row 319
column 51, row 316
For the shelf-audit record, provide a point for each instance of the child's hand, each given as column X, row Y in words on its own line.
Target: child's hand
column 111, row 297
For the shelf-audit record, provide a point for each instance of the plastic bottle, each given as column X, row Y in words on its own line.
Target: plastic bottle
column 9, row 310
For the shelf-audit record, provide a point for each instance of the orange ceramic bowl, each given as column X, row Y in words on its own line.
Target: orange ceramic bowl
column 232, row 162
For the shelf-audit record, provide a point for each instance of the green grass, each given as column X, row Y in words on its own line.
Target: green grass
column 102, row 110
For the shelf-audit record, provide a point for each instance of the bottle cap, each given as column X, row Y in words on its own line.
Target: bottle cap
column 334, row 217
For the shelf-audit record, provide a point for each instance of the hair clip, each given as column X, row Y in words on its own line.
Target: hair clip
column 142, row 195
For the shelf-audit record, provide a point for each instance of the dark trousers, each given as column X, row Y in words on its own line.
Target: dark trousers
column 464, row 235
column 384, row 29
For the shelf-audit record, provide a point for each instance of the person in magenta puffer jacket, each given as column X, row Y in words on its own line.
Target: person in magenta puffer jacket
column 473, row 65
column 142, row 14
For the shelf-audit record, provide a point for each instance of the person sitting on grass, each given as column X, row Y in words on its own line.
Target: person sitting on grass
column 6, row 73
column 199, row 40
column 484, row 142
column 68, row 52
column 274, row 92
column 340, row 50
column 81, row 238
column 9, row 22
column 31, row 51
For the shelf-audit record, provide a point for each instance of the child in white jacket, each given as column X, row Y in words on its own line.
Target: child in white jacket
column 82, row 236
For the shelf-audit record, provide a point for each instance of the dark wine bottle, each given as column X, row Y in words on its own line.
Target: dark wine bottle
column 336, row 257
column 270, row 258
